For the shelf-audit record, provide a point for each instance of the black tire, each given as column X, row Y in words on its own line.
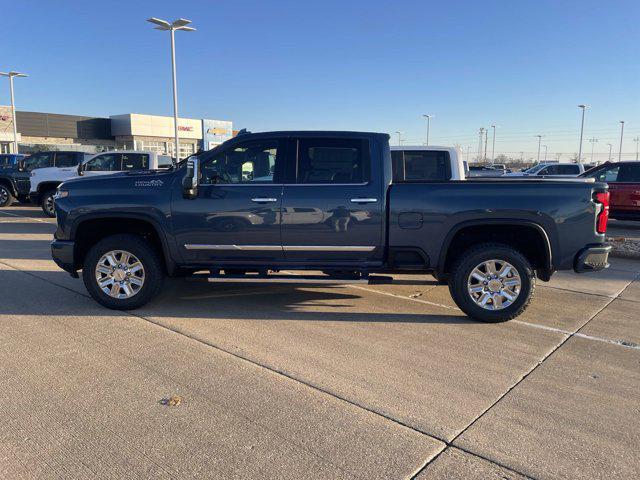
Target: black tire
column 148, row 257
column 469, row 260
column 6, row 198
column 47, row 203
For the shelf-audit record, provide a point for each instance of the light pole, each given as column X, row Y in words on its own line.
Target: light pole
column 637, row 140
column 539, row 141
column 593, row 142
column 486, row 141
column 180, row 24
column 521, row 157
column 428, row 117
column 621, row 136
column 13, row 106
column 468, row 154
column 399, row 137
column 583, row 107
column 481, row 133
column 545, row 152
column 493, row 145
column 610, row 147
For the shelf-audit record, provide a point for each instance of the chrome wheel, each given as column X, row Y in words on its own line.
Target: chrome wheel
column 4, row 196
column 494, row 284
column 49, row 205
column 120, row 274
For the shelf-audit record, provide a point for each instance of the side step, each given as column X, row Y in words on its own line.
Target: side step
column 294, row 279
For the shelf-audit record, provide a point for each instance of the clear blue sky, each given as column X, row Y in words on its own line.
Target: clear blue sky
column 523, row 65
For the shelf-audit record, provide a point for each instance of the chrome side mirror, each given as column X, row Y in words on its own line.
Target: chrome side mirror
column 190, row 180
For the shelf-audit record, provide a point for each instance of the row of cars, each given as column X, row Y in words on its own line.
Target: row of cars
column 36, row 177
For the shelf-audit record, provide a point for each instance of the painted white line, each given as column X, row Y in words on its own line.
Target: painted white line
column 426, row 302
column 28, row 218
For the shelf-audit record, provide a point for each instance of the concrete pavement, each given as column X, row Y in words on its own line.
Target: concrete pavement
column 280, row 381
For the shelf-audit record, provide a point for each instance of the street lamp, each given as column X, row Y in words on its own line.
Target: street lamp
column 583, row 107
column 428, row 117
column 399, row 137
column 593, row 142
column 493, row 145
column 13, row 106
column 621, row 135
column 545, row 152
column 539, row 140
column 180, row 24
column 637, row 140
column 610, row 147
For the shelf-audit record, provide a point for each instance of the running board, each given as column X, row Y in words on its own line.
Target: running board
column 294, row 279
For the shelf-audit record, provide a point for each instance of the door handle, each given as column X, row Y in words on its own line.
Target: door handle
column 364, row 200
column 264, row 200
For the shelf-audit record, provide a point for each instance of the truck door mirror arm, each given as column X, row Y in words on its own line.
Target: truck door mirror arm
column 190, row 180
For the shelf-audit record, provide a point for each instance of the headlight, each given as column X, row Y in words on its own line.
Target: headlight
column 61, row 194
column 32, row 174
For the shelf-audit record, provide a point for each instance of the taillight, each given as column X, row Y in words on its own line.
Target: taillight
column 603, row 217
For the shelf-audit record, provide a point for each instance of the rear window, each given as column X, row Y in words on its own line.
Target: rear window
column 420, row 166
column 629, row 173
column 333, row 161
column 135, row 161
column 66, row 159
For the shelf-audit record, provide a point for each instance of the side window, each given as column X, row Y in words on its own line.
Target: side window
column 38, row 160
column 550, row 170
column 629, row 173
column 251, row 162
column 422, row 166
column 66, row 159
column 568, row 169
column 609, row 174
column 333, row 161
column 109, row 162
column 135, row 161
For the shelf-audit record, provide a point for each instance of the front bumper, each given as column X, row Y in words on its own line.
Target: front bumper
column 62, row 252
column 592, row 258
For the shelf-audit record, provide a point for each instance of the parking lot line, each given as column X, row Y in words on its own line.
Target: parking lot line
column 24, row 216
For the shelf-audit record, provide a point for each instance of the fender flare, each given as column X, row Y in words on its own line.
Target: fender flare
column 548, row 264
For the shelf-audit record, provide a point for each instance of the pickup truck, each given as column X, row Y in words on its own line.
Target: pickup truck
column 623, row 179
column 44, row 181
column 550, row 170
column 327, row 201
column 14, row 180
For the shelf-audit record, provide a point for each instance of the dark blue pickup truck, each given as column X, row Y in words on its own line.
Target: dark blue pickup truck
column 331, row 202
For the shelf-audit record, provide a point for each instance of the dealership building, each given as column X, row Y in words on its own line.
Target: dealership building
column 51, row 131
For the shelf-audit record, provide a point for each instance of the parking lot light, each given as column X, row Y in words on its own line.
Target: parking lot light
column 399, row 137
column 180, row 24
column 583, row 107
column 621, row 136
column 610, row 147
column 13, row 105
column 539, row 141
column 428, row 117
column 493, row 145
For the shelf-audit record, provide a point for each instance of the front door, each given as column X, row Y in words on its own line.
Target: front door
column 333, row 210
column 236, row 216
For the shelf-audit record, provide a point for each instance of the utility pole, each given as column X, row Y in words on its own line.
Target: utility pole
column 593, row 142
column 539, row 141
column 493, row 145
column 486, row 140
column 621, row 136
column 481, row 133
column 583, row 107
column 610, row 147
column 428, row 117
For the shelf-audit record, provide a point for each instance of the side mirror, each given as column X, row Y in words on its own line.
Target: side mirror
column 80, row 169
column 190, row 180
column 21, row 166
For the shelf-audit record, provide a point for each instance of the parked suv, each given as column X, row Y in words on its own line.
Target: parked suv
column 550, row 170
column 14, row 182
column 624, row 184
column 10, row 160
column 44, row 181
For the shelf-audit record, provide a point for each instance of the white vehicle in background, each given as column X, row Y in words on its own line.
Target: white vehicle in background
column 45, row 181
column 550, row 170
column 427, row 163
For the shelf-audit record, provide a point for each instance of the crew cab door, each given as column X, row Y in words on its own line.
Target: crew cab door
column 627, row 187
column 102, row 164
column 332, row 207
column 236, row 216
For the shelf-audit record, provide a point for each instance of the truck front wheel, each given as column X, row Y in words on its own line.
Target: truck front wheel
column 122, row 272
column 492, row 282
column 47, row 203
column 6, row 198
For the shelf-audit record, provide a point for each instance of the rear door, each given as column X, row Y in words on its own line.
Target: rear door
column 135, row 161
column 628, row 187
column 332, row 205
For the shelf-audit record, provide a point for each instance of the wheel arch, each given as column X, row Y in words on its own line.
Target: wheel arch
column 529, row 237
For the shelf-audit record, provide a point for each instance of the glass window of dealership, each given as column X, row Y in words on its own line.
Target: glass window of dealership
column 49, row 131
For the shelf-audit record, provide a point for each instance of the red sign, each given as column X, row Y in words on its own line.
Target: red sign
column 185, row 129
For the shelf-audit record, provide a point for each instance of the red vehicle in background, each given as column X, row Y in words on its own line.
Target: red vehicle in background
column 624, row 185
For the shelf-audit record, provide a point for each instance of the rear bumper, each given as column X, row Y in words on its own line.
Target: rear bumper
column 592, row 258
column 63, row 254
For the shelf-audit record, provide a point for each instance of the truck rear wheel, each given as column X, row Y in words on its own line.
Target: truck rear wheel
column 47, row 203
column 122, row 272
column 492, row 282
column 6, row 199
